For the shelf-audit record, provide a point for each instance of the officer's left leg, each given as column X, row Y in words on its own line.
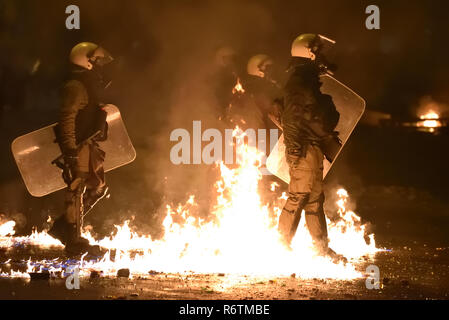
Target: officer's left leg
column 314, row 210
column 316, row 223
column 298, row 195
column 95, row 185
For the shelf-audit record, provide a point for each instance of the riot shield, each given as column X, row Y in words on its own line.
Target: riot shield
column 350, row 106
column 35, row 151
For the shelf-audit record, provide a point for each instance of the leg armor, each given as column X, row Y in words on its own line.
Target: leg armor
column 316, row 223
column 74, row 206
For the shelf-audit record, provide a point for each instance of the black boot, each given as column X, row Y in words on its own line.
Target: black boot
column 68, row 235
column 336, row 258
column 59, row 230
column 77, row 245
column 82, row 246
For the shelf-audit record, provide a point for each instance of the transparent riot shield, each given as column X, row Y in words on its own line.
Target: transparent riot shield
column 35, row 151
column 350, row 106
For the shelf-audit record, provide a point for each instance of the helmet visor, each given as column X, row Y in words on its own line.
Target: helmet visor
column 100, row 57
column 325, row 53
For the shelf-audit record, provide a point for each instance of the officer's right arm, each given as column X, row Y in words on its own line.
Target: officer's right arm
column 73, row 99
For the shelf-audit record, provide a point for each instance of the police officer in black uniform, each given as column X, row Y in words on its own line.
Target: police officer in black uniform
column 82, row 124
column 308, row 119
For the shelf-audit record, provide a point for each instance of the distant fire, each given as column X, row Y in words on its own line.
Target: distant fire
column 238, row 87
column 430, row 120
column 431, row 115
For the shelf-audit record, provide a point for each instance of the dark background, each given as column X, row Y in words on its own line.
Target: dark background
column 165, row 49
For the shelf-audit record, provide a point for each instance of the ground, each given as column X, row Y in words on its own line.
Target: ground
column 412, row 271
column 407, row 217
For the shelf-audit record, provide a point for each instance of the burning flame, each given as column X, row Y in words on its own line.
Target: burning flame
column 238, row 87
column 348, row 227
column 38, row 239
column 430, row 115
column 7, row 229
column 431, row 120
column 241, row 237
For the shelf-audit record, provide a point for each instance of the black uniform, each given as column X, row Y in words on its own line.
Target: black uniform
column 82, row 123
column 308, row 119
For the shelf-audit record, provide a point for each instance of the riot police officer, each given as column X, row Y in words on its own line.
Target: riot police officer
column 308, row 120
column 82, row 124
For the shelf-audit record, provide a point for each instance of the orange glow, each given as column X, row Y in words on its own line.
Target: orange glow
column 241, row 238
column 430, row 115
column 238, row 87
column 430, row 120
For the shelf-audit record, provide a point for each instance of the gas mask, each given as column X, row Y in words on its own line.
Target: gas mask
column 102, row 66
column 270, row 72
column 322, row 48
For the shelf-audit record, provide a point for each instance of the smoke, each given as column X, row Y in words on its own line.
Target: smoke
column 165, row 79
column 428, row 104
column 188, row 38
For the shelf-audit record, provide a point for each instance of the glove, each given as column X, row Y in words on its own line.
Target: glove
column 331, row 145
column 103, row 136
column 101, row 125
